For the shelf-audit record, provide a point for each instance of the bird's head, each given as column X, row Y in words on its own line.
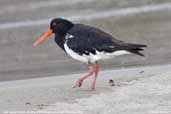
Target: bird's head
column 57, row 26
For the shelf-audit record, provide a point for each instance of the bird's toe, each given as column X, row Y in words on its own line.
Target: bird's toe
column 78, row 84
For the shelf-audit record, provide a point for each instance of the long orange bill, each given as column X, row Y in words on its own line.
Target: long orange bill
column 45, row 36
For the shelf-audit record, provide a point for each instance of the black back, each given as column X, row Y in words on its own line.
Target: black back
column 89, row 39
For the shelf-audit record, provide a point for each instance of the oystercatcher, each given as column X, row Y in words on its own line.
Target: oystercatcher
column 87, row 44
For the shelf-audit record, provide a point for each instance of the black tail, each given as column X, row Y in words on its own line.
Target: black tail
column 136, row 48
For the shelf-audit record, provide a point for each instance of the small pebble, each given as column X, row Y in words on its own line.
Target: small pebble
column 27, row 103
column 111, row 82
column 141, row 72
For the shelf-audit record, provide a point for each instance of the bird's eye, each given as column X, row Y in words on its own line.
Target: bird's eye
column 54, row 24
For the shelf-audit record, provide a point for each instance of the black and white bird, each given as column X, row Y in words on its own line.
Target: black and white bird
column 88, row 44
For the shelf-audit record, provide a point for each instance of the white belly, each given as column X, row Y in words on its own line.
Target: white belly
column 93, row 57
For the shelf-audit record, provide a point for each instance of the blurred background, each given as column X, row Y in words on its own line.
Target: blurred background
column 24, row 21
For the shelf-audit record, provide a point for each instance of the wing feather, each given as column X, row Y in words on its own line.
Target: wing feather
column 89, row 39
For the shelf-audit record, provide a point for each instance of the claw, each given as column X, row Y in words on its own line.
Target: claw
column 78, row 84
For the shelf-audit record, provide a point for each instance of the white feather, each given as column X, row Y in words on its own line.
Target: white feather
column 74, row 54
column 69, row 36
column 93, row 57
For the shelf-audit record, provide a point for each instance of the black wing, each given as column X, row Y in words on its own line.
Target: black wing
column 88, row 39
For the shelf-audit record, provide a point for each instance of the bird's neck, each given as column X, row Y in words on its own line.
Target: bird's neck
column 60, row 41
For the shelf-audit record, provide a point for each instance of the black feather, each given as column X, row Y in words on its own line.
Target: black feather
column 136, row 48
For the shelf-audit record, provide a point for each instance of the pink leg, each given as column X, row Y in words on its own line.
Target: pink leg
column 79, row 82
column 95, row 77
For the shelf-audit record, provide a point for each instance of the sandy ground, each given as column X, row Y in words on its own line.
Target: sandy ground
column 139, row 90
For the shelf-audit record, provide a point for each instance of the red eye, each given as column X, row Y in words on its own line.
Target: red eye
column 54, row 24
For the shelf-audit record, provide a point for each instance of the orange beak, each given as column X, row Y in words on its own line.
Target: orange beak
column 45, row 36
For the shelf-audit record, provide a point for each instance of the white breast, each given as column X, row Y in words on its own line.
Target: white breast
column 74, row 54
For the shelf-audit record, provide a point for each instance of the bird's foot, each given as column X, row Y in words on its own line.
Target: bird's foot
column 78, row 84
